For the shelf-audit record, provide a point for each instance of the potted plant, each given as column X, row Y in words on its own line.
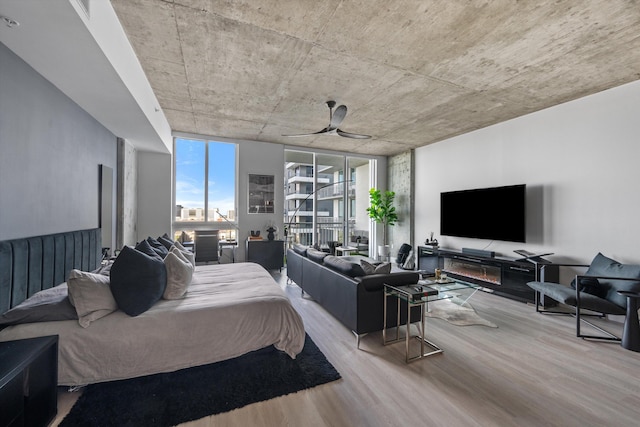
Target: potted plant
column 382, row 211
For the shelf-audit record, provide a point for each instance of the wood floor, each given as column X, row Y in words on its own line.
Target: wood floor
column 530, row 371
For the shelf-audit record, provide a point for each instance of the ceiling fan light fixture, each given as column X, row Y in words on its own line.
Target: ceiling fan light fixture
column 9, row 22
column 335, row 119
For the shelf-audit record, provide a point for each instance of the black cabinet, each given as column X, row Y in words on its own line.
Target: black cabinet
column 28, row 381
column 502, row 276
column 267, row 253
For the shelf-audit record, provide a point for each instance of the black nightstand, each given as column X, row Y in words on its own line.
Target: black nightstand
column 28, row 381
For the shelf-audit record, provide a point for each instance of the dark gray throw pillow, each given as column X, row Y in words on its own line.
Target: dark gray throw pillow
column 146, row 248
column 158, row 247
column 45, row 306
column 166, row 241
column 605, row 266
column 138, row 280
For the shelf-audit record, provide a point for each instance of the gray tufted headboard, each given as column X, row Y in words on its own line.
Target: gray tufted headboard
column 34, row 263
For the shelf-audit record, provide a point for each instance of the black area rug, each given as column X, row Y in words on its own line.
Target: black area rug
column 194, row 393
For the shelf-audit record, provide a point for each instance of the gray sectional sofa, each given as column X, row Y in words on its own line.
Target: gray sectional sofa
column 340, row 285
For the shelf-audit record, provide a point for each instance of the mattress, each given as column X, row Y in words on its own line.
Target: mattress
column 229, row 310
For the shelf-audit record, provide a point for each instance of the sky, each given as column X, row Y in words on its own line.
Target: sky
column 190, row 162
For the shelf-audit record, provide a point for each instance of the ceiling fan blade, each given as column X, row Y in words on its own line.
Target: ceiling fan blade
column 338, row 116
column 325, row 130
column 352, row 135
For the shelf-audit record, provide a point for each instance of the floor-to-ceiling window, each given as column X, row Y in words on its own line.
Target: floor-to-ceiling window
column 205, row 188
column 324, row 194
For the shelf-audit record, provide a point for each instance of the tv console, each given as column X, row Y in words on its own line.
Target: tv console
column 502, row 276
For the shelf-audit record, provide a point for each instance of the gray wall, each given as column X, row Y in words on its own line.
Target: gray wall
column 579, row 161
column 50, row 152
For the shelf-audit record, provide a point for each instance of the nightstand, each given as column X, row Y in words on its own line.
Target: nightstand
column 28, row 381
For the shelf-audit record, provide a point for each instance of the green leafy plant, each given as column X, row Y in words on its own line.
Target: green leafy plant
column 381, row 209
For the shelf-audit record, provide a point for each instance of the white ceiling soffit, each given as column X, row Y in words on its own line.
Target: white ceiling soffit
column 86, row 54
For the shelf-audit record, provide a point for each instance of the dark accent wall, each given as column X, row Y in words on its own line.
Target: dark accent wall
column 50, row 152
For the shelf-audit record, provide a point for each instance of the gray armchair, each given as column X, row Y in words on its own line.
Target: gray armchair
column 596, row 291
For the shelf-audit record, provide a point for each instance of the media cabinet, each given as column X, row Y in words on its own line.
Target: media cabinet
column 502, row 276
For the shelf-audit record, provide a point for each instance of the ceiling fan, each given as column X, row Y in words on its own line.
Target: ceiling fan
column 335, row 118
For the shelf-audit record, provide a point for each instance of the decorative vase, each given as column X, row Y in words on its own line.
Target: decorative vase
column 270, row 232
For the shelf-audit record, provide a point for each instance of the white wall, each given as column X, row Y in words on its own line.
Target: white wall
column 579, row 161
column 259, row 158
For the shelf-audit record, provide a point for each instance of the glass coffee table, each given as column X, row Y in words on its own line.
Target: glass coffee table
column 420, row 295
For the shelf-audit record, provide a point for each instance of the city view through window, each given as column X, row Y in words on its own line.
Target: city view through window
column 205, row 187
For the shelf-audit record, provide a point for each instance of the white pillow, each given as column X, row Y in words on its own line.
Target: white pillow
column 91, row 295
column 186, row 252
column 179, row 275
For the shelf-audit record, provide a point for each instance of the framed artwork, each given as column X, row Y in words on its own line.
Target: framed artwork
column 261, row 194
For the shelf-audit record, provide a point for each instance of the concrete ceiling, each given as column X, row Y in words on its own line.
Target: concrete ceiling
column 411, row 72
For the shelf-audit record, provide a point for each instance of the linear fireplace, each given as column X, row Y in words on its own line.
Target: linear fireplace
column 473, row 270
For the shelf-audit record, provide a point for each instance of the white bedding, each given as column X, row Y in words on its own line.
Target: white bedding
column 229, row 310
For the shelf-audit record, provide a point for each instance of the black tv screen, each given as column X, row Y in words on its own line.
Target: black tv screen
column 496, row 213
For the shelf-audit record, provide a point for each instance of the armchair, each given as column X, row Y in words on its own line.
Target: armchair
column 600, row 291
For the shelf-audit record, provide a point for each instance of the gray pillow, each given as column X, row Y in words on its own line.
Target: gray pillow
column 48, row 305
column 187, row 253
column 179, row 274
column 382, row 268
column 91, row 295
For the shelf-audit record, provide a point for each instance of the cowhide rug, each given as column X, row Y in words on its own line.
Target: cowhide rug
column 456, row 314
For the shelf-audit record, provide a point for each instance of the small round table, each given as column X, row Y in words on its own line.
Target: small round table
column 631, row 332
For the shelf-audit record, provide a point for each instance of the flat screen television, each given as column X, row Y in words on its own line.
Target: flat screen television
column 496, row 213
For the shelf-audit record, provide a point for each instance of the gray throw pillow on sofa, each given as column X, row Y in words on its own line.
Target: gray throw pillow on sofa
column 382, row 268
column 348, row 268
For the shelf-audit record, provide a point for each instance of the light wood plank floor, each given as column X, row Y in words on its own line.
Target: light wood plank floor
column 530, row 371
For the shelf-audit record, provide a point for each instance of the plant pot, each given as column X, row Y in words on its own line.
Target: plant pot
column 384, row 250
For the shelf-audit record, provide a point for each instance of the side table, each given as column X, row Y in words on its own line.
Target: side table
column 28, row 381
column 415, row 296
column 631, row 331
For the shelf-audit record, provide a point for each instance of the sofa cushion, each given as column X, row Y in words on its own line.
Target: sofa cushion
column 348, row 268
column 300, row 249
column 566, row 295
column 316, row 255
column 604, row 266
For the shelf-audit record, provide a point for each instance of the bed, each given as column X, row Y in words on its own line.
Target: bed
column 228, row 310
